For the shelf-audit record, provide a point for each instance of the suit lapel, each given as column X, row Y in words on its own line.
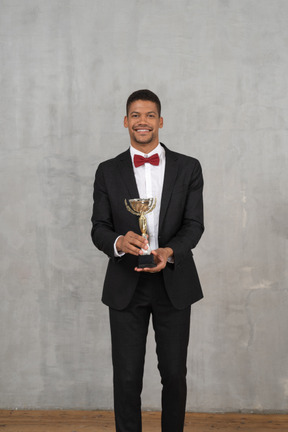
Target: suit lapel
column 127, row 174
column 170, row 175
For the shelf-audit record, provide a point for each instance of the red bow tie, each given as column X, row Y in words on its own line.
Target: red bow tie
column 140, row 160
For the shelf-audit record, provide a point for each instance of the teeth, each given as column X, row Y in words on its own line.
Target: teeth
column 142, row 130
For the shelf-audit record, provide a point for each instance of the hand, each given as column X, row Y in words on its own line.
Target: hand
column 131, row 243
column 161, row 256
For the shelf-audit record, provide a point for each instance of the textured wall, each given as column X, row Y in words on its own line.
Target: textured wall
column 220, row 68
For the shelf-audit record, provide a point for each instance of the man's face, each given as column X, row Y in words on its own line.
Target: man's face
column 143, row 123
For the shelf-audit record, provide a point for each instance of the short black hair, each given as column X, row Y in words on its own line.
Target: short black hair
column 146, row 95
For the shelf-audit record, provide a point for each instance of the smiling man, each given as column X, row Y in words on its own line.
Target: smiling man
column 164, row 292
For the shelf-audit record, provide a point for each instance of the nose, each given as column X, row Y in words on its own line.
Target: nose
column 143, row 118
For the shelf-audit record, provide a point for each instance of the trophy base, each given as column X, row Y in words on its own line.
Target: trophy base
column 146, row 261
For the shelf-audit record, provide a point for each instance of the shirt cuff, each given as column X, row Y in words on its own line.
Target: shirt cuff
column 116, row 253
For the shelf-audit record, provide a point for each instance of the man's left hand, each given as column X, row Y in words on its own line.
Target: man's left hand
column 161, row 256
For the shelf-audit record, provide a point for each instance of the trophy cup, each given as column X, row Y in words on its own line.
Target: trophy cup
column 140, row 207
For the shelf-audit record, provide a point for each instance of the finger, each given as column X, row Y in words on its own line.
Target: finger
column 135, row 250
column 137, row 240
column 159, row 256
column 131, row 249
column 132, row 245
column 134, row 235
column 156, row 269
column 146, row 270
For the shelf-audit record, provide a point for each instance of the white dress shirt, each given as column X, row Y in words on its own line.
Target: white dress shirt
column 149, row 179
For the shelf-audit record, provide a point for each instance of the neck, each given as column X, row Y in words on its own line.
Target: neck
column 144, row 148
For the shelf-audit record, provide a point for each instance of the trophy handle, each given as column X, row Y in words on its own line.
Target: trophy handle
column 129, row 209
column 152, row 208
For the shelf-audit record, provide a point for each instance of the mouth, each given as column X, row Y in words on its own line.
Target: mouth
column 142, row 130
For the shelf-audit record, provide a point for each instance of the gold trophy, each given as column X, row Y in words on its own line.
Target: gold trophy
column 141, row 207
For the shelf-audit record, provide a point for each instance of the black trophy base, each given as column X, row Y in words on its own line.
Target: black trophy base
column 146, row 261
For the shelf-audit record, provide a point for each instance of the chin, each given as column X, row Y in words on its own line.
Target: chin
column 144, row 141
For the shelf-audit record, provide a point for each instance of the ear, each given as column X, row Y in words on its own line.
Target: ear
column 161, row 123
column 125, row 122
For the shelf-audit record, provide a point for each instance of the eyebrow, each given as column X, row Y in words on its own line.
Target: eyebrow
column 137, row 112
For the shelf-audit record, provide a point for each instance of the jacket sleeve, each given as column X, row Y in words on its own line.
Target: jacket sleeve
column 103, row 233
column 192, row 225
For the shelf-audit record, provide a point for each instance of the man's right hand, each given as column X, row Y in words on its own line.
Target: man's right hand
column 131, row 243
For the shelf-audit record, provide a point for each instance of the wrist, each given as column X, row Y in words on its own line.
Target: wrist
column 169, row 252
column 119, row 243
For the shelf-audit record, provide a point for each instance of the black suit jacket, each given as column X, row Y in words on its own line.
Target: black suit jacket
column 180, row 226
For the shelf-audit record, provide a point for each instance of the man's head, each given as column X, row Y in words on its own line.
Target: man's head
column 143, row 120
column 145, row 95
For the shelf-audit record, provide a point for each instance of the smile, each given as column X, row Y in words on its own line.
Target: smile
column 142, row 130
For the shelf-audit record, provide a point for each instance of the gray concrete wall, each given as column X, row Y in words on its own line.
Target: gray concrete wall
column 221, row 70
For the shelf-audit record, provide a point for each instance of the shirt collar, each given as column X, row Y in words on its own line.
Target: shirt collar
column 159, row 149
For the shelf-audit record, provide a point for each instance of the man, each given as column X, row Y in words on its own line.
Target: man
column 165, row 292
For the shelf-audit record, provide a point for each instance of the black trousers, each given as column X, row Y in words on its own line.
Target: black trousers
column 129, row 329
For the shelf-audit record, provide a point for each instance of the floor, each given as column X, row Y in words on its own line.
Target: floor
column 103, row 421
